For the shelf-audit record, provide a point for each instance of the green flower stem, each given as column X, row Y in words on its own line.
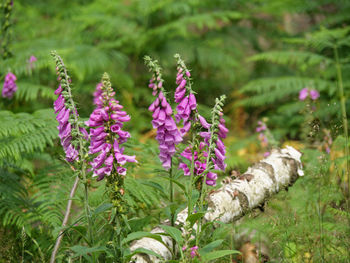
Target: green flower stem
column 82, row 157
column 82, row 150
column 204, row 185
column 190, row 188
column 213, row 130
column 171, row 198
column 171, row 195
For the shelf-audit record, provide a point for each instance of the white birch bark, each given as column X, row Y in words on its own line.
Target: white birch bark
column 236, row 197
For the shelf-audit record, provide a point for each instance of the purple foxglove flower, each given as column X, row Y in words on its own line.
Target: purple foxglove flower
column 185, row 169
column 97, row 95
column 205, row 135
column 266, row 154
column 222, row 131
column 192, row 102
column 199, row 167
column 71, row 154
column 67, row 116
column 58, row 90
column 187, row 108
column 212, row 176
column 185, row 128
column 314, row 94
column 187, row 153
column 303, row 93
column 115, row 128
column 194, row 251
column 97, row 131
column 183, row 105
column 168, row 110
column 122, row 158
column 167, row 133
column 65, row 127
column 220, row 146
column 179, row 95
column 31, row 61
column 108, row 120
column 63, row 116
column 182, row 84
column 203, row 122
column 10, row 86
column 99, row 160
column 219, row 155
column 64, row 131
column 121, row 170
column 261, row 127
column 97, row 145
column 210, row 182
column 59, row 104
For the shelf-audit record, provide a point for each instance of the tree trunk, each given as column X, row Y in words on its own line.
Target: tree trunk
column 237, row 197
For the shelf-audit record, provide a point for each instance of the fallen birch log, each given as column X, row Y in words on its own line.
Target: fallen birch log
column 236, row 197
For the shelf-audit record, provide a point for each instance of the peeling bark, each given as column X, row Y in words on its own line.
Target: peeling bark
column 236, row 197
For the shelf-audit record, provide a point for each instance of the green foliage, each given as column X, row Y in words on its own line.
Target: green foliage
column 24, row 133
column 261, row 52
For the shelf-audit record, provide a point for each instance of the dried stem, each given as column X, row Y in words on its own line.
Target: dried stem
column 65, row 220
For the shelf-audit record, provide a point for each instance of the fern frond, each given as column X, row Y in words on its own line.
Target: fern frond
column 24, row 133
column 30, row 92
column 324, row 38
column 265, row 91
column 299, row 58
column 140, row 193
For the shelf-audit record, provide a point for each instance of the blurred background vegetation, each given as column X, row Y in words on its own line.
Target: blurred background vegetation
column 259, row 53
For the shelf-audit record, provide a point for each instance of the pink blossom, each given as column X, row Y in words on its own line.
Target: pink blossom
column 303, row 93
column 194, row 251
column 314, row 94
column 10, row 86
column 65, row 127
column 31, row 61
column 306, row 92
column 108, row 113
column 168, row 134
column 266, row 154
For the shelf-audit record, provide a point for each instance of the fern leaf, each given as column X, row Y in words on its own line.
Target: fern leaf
column 269, row 90
column 298, row 58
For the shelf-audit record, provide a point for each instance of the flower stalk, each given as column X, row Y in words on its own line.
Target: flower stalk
column 107, row 136
column 73, row 136
column 216, row 151
column 168, row 134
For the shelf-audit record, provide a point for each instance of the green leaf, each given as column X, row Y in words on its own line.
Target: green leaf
column 208, row 248
column 136, row 224
column 155, row 186
column 218, row 254
column 174, row 233
column 183, row 188
column 194, row 217
column 102, row 208
column 83, row 251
